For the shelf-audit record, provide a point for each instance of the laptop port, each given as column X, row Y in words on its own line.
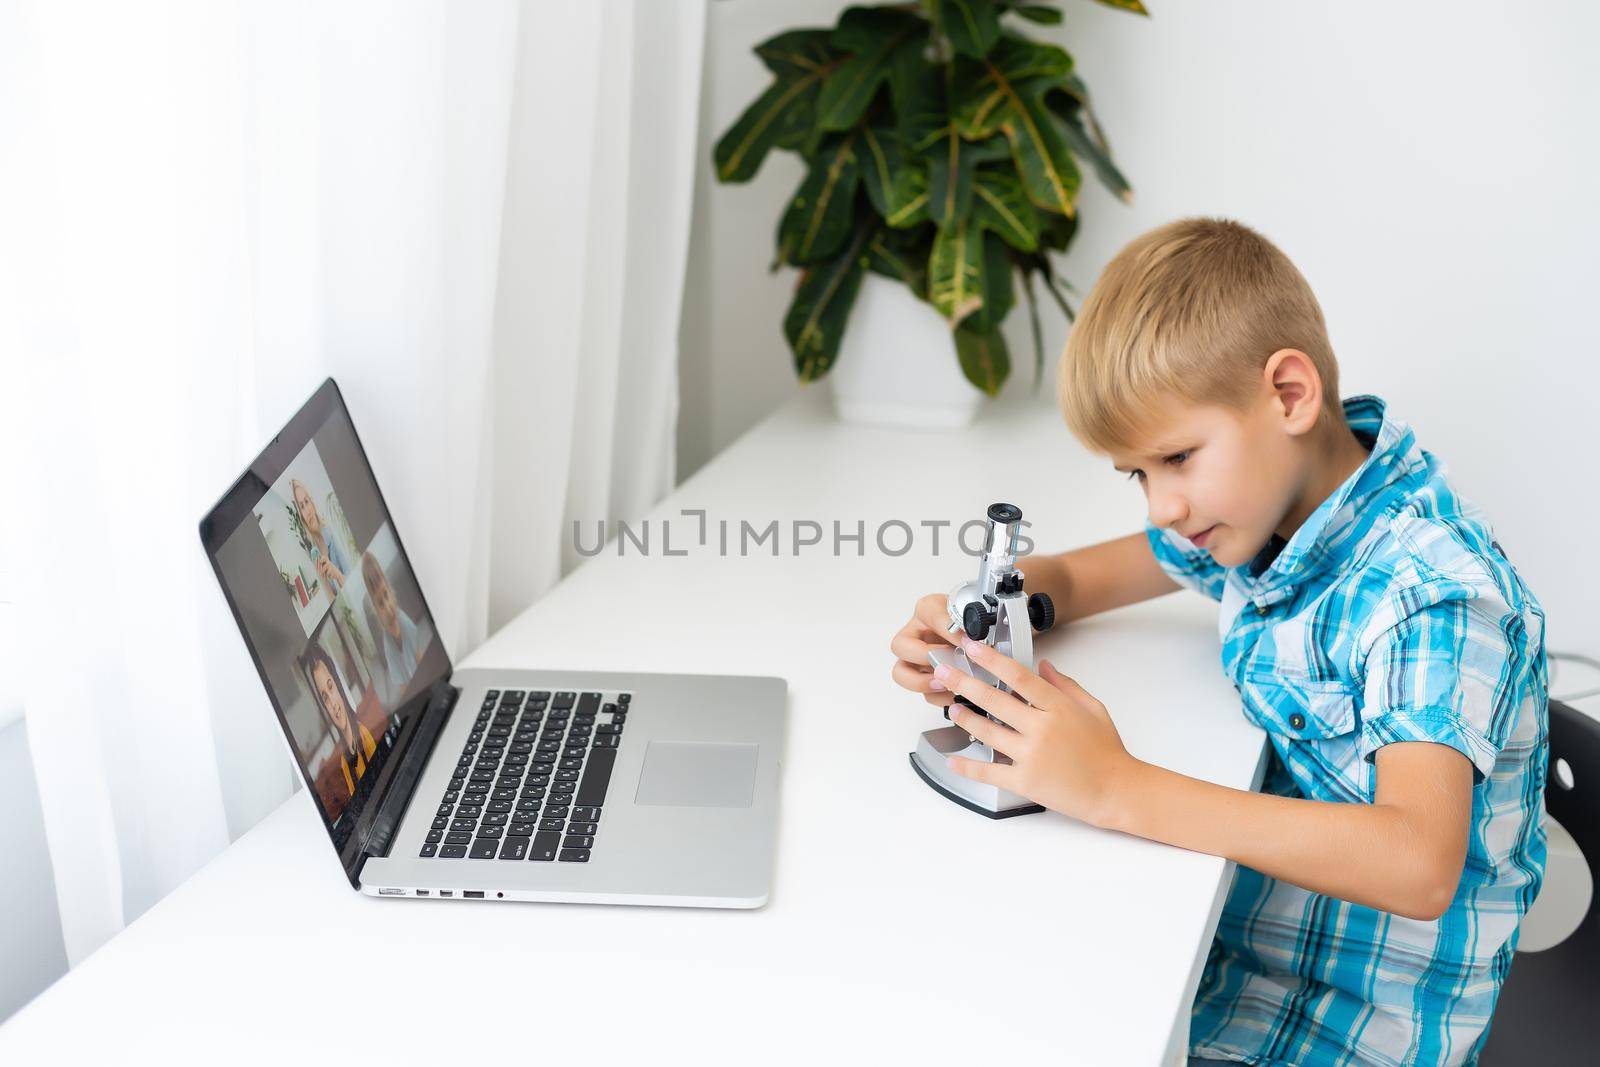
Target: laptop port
column 386, row 891
column 423, row 892
column 473, row 894
column 447, row 892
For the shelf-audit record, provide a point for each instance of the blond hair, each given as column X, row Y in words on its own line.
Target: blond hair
column 1189, row 312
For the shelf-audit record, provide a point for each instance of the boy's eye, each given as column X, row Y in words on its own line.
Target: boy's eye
column 1175, row 460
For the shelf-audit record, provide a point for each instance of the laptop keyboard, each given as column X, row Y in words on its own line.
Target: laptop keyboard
column 531, row 780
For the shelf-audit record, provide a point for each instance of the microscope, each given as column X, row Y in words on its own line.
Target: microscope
column 994, row 610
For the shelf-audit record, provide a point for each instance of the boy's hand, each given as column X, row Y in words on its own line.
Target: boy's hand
column 929, row 628
column 1065, row 751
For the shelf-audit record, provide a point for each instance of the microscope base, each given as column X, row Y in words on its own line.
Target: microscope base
column 929, row 761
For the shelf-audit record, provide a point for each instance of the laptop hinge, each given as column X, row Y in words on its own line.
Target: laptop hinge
column 409, row 773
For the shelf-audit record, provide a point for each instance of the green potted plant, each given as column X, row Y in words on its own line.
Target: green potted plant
column 943, row 151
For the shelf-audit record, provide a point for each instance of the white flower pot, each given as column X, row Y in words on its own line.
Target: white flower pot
column 897, row 363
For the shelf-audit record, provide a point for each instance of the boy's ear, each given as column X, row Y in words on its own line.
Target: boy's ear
column 1296, row 388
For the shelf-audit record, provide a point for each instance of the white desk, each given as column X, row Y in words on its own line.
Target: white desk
column 900, row 925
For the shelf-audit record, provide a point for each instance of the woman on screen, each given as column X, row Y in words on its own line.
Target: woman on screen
column 353, row 742
column 330, row 560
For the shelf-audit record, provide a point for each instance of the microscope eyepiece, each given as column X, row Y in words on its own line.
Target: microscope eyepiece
column 1004, row 513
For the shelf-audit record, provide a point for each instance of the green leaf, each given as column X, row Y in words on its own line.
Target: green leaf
column 1002, row 207
column 1085, row 147
column 995, row 284
column 1057, row 231
column 971, row 25
column 784, row 114
column 1045, row 16
column 817, row 316
column 911, row 194
column 985, row 92
column 821, row 216
column 917, row 90
column 950, row 167
column 1043, row 160
column 1127, row 5
column 1033, row 323
column 903, row 256
column 896, row 186
column 873, row 35
column 955, row 272
column 984, row 358
column 797, row 53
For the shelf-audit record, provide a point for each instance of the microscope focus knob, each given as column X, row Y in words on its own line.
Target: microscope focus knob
column 1041, row 611
column 976, row 621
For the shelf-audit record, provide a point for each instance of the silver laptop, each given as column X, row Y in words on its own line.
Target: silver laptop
column 578, row 786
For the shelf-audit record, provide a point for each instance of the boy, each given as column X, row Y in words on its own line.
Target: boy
column 1373, row 628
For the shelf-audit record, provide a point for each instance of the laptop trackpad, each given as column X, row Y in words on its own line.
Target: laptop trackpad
column 696, row 774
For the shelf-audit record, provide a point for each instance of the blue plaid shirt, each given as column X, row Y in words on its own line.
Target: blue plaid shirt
column 1390, row 615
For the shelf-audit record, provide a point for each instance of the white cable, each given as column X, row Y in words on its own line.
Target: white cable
column 1573, row 657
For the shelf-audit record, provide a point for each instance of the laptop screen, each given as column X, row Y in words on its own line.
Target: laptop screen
column 329, row 606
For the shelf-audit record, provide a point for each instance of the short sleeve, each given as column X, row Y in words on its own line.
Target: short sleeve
column 1191, row 567
column 1453, row 673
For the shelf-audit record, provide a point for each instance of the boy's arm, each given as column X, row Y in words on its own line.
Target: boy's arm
column 1096, row 578
column 1403, row 853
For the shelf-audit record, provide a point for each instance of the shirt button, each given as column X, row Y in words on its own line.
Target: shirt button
column 1261, row 609
column 1298, row 721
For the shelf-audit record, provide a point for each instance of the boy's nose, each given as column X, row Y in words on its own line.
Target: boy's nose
column 1166, row 510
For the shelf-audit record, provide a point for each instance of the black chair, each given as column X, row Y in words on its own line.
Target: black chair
column 1549, row 1008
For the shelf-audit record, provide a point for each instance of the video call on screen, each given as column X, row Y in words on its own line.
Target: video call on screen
column 334, row 613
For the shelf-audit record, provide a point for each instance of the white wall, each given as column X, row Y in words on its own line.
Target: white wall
column 1428, row 165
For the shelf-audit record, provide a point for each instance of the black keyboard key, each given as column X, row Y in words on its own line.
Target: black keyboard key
column 587, row 813
column 528, row 806
column 587, row 704
column 502, row 794
column 458, row 837
column 435, row 836
column 445, row 809
column 539, row 779
column 452, row 796
column 608, row 728
column 520, row 829
column 521, row 748
column 570, row 775
column 559, row 716
column 440, row 824
column 483, row 776
column 469, row 811
column 464, row 824
column 609, row 708
column 515, row 848
column 452, row 852
column 619, row 719
column 562, row 796
column 564, row 699
column 580, row 731
column 549, row 746
column 605, row 741
column 499, row 806
column 574, row 855
column 544, row 758
column 491, row 694
column 581, row 827
column 572, row 764
column 555, row 813
column 577, row 841
column 592, row 793
column 492, row 833
column 583, row 720
column 484, row 850
column 544, row 846
column 495, row 819
column 517, row 759
column 429, row 849
column 625, row 698
column 551, row 824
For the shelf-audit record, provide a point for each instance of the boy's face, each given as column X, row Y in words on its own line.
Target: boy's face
column 1225, row 479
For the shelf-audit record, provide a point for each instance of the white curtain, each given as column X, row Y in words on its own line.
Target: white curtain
column 474, row 216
